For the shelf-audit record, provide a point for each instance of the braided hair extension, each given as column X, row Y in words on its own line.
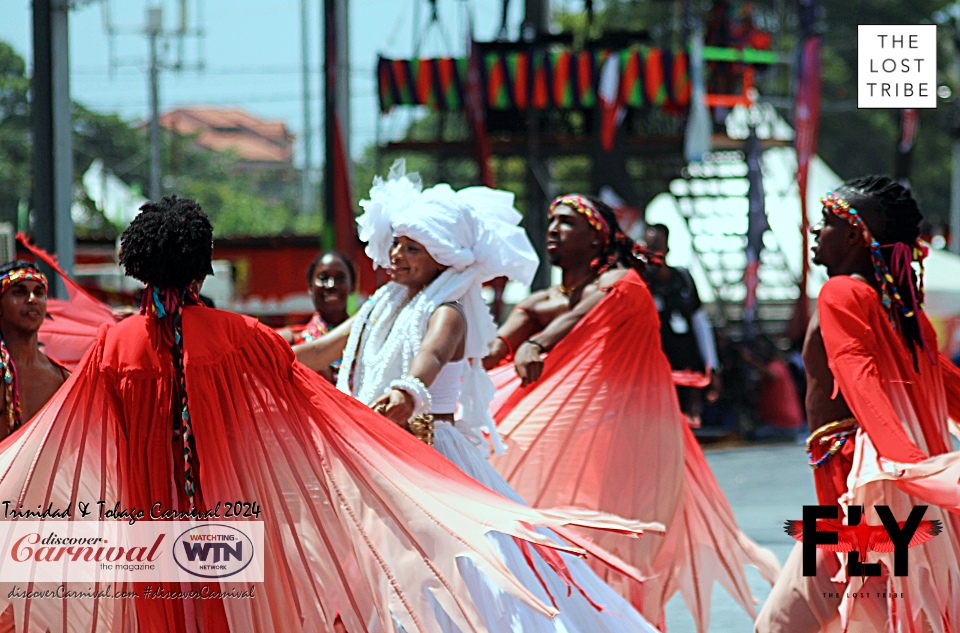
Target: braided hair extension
column 169, row 246
column 620, row 249
column 893, row 218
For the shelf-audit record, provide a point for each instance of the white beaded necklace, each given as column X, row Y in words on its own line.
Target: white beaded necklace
column 387, row 334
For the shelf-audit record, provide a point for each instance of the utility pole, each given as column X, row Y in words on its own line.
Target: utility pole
column 306, row 195
column 154, row 31
column 158, row 41
column 535, row 24
column 52, row 133
column 336, row 117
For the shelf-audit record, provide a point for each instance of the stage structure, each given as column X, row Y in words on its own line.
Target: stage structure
column 623, row 102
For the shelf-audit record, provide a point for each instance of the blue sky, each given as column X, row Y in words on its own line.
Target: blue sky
column 252, row 55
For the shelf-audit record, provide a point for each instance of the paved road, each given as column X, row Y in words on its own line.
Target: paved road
column 766, row 484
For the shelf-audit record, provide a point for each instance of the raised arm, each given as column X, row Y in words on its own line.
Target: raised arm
column 851, row 347
column 519, row 326
column 446, row 333
column 319, row 354
column 528, row 357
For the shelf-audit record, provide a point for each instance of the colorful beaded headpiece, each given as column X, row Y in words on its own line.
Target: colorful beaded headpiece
column 18, row 275
column 900, row 263
column 584, row 207
column 166, row 305
column 8, row 371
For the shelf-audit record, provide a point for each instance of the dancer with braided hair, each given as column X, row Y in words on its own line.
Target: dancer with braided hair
column 589, row 416
column 186, row 406
column 878, row 400
column 30, row 377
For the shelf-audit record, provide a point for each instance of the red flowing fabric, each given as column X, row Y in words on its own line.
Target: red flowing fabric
column 361, row 520
column 73, row 323
column 602, row 429
column 902, row 455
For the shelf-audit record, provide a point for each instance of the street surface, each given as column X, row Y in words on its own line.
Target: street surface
column 766, row 484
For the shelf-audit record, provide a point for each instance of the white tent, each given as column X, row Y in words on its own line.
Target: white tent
column 782, row 206
column 942, row 269
column 941, row 284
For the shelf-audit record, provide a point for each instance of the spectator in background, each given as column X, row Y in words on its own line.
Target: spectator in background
column 330, row 280
column 778, row 404
column 677, row 301
column 30, row 378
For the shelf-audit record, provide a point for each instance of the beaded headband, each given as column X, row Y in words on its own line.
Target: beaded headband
column 901, row 259
column 18, row 275
column 584, row 207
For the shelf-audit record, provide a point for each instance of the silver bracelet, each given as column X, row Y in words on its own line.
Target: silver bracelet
column 422, row 401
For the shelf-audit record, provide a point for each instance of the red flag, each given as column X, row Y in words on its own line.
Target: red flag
column 611, row 109
column 473, row 102
column 806, row 120
column 909, row 124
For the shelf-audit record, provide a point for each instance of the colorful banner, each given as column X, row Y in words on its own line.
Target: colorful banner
column 545, row 79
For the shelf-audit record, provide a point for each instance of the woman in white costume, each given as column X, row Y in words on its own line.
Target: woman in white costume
column 415, row 348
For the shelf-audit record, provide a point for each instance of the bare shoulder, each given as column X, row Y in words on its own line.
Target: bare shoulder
column 447, row 316
column 605, row 281
column 612, row 276
column 55, row 369
column 534, row 299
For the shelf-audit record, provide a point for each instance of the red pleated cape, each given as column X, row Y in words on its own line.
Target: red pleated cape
column 902, row 456
column 362, row 521
column 602, row 429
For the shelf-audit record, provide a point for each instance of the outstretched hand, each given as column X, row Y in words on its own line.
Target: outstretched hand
column 529, row 363
column 396, row 405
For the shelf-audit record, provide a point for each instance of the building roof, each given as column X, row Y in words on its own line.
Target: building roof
column 253, row 139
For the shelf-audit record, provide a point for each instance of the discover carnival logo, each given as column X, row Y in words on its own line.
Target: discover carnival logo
column 213, row 551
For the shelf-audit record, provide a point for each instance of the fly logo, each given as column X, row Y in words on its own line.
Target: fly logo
column 821, row 529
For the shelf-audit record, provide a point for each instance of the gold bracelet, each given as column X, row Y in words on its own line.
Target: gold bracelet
column 420, row 426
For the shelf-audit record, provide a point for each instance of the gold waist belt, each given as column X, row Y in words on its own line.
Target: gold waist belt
column 836, row 432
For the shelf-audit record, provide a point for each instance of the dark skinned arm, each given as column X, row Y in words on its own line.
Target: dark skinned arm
column 518, row 327
column 319, row 354
column 446, row 332
column 528, row 359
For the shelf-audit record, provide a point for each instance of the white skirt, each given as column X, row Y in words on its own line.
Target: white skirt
column 504, row 614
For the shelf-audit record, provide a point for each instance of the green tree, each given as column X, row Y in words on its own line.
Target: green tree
column 856, row 142
column 15, row 155
column 231, row 198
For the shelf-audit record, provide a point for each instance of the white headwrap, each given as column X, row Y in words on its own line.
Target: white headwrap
column 475, row 233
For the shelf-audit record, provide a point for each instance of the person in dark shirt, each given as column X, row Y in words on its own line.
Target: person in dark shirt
column 677, row 300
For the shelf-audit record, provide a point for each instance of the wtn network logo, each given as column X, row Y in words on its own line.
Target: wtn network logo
column 213, row 551
column 821, row 529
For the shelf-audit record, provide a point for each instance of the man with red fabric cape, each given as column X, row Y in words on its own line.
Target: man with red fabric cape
column 590, row 417
column 29, row 377
column 878, row 401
